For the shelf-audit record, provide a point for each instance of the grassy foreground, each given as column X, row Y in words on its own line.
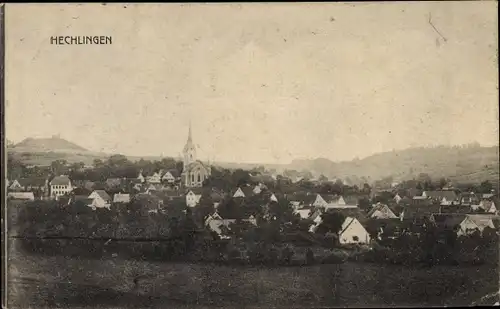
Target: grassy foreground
column 58, row 282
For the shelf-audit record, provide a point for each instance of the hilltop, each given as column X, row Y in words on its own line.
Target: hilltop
column 459, row 163
column 52, row 144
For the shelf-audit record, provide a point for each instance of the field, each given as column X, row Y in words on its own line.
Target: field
column 58, row 281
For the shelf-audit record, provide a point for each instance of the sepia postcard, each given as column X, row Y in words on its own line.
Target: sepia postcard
column 250, row 155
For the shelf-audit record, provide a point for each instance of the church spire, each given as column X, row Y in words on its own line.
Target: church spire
column 190, row 138
column 189, row 142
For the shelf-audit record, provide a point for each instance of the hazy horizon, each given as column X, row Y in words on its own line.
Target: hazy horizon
column 259, row 85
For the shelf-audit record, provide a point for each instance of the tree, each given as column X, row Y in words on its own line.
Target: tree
column 364, row 203
column 322, row 178
column 204, row 208
column 240, row 178
column 98, row 163
column 485, row 187
column 309, row 256
column 117, row 160
column 331, row 222
column 59, row 167
column 442, row 182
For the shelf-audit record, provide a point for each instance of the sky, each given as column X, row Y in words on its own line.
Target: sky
column 264, row 83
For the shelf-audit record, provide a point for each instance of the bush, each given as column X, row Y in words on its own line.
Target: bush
column 309, row 257
column 334, row 258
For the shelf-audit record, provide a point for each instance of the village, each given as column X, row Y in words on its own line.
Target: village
column 368, row 214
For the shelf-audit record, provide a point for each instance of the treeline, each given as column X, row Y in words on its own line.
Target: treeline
column 435, row 246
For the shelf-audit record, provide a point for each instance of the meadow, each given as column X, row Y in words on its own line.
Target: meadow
column 57, row 281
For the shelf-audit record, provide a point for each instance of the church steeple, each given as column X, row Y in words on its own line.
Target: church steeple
column 189, row 149
column 190, row 138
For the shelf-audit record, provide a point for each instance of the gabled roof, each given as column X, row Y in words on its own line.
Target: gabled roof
column 62, row 180
column 32, row 181
column 102, row 194
column 347, row 223
column 448, row 221
column 330, row 198
column 173, row 172
column 303, row 213
column 247, row 191
column 385, row 211
column 482, row 221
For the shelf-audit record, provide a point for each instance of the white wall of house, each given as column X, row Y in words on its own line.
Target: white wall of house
column 239, row 193
column 99, row 202
column 168, row 177
column 192, row 199
column 353, row 232
column 60, row 190
column 319, row 202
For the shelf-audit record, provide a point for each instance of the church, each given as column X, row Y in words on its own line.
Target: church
column 194, row 172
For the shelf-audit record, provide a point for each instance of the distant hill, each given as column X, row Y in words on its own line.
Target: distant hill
column 459, row 163
column 462, row 164
column 52, row 144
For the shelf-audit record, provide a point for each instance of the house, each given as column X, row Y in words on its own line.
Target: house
column 485, row 205
column 303, row 213
column 27, row 196
column 315, row 216
column 398, row 198
column 141, row 178
column 385, row 228
column 448, row 221
column 273, row 198
column 445, row 197
column 328, row 201
column 59, row 186
column 473, row 223
column 193, row 197
column 219, row 225
column 34, row 183
column 353, row 232
column 469, row 198
column 15, row 185
column 259, row 188
column 301, row 199
column 243, row 192
column 100, row 199
column 170, row 176
column 121, row 198
column 113, row 183
column 381, row 211
column 154, row 179
column 420, row 211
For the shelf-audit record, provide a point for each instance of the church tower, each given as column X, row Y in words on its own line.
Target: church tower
column 189, row 150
